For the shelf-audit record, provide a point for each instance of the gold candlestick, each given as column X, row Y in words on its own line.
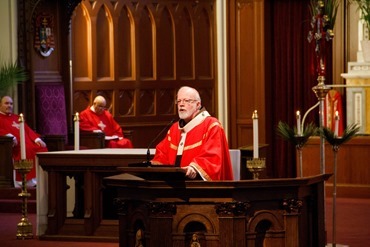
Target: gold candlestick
column 24, row 227
column 255, row 166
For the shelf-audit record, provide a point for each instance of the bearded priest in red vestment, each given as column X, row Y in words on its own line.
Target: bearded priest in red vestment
column 197, row 142
column 9, row 126
column 97, row 119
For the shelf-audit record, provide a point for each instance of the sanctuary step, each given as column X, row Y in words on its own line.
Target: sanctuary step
column 10, row 202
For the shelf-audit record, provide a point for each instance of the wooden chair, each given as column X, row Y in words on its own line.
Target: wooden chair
column 6, row 162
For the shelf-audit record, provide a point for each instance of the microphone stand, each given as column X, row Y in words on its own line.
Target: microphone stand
column 156, row 137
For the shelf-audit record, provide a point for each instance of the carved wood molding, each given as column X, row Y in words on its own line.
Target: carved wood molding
column 232, row 208
column 162, row 208
column 292, row 206
column 121, row 205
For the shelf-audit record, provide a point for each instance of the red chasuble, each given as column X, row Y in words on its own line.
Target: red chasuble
column 90, row 121
column 9, row 124
column 203, row 145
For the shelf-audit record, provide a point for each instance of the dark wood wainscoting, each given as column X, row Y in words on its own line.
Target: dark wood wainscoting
column 353, row 173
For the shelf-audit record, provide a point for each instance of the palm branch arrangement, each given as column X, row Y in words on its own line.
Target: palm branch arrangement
column 328, row 9
column 364, row 7
column 289, row 134
column 10, row 74
column 350, row 131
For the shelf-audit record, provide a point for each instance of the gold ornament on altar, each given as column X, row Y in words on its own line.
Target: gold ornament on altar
column 256, row 166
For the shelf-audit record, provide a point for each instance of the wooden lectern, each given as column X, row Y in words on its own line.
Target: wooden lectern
column 171, row 211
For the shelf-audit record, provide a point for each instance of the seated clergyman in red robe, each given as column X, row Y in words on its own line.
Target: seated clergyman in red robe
column 97, row 119
column 9, row 126
column 197, row 142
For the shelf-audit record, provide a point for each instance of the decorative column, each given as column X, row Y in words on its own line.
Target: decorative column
column 161, row 218
column 232, row 222
column 291, row 217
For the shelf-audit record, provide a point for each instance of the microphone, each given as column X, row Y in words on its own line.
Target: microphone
column 155, row 138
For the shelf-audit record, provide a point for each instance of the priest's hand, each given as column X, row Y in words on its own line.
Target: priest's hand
column 40, row 142
column 154, row 162
column 15, row 141
column 190, row 172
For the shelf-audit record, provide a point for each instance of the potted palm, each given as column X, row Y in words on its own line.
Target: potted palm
column 10, row 75
column 364, row 8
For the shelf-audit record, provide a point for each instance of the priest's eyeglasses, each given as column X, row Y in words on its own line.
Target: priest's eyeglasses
column 101, row 107
column 186, row 101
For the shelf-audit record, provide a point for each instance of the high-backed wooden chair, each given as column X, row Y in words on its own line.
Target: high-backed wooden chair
column 6, row 162
column 51, row 115
column 52, row 121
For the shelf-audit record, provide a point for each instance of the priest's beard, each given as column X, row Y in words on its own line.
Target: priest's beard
column 184, row 115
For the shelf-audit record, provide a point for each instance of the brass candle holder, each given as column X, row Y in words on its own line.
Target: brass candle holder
column 255, row 166
column 24, row 227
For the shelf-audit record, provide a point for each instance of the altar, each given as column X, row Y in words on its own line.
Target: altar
column 89, row 167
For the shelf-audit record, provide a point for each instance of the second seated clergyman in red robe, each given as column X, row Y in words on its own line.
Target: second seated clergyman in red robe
column 97, row 119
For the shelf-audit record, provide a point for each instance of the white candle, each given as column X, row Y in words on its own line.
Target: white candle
column 22, row 137
column 77, row 131
column 255, row 135
column 336, row 124
column 299, row 131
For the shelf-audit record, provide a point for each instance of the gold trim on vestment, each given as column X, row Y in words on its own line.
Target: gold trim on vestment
column 201, row 172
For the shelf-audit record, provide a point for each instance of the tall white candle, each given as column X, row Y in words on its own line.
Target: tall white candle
column 77, row 131
column 22, row 138
column 336, row 124
column 299, row 131
column 255, row 135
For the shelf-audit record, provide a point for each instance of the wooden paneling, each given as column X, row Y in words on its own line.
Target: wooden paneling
column 138, row 54
column 247, row 69
column 353, row 173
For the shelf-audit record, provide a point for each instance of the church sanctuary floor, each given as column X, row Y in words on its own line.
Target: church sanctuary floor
column 352, row 227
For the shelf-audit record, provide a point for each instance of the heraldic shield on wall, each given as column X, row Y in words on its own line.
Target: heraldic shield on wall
column 44, row 39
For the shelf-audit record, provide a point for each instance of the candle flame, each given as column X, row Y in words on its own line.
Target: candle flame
column 76, row 117
column 255, row 115
column 21, row 118
column 336, row 115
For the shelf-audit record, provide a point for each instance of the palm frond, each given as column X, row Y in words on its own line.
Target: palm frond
column 290, row 134
column 331, row 10
column 10, row 74
column 349, row 132
column 364, row 7
column 310, row 130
